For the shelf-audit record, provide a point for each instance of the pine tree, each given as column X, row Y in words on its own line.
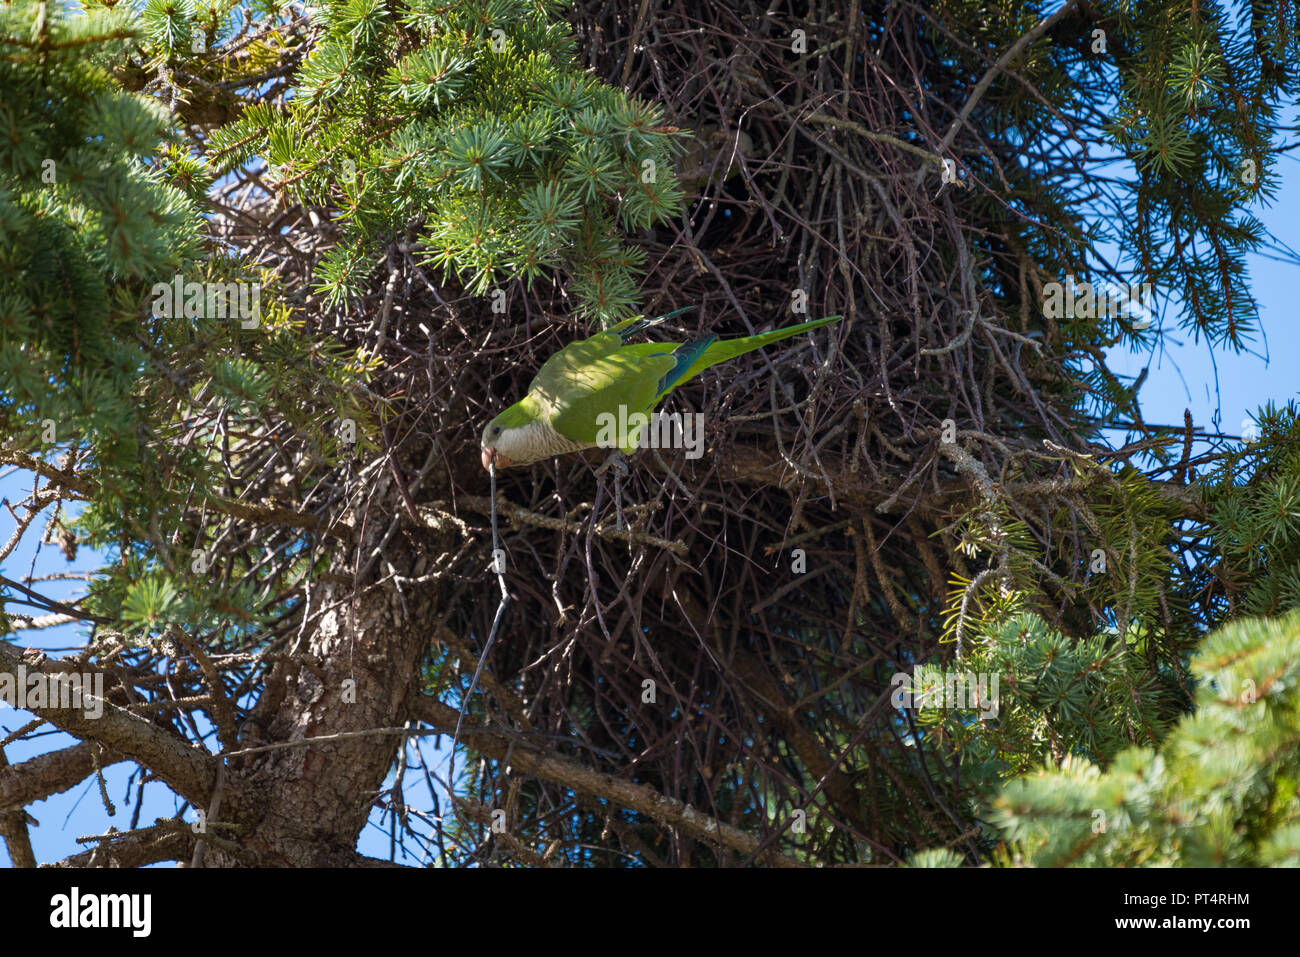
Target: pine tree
column 1220, row 791
column 1255, row 496
column 85, row 223
column 101, row 368
column 466, row 130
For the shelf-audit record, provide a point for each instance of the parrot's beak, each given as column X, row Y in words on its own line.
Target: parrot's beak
column 491, row 455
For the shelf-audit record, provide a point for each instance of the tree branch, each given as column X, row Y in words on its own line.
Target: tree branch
column 187, row 769
column 51, row 773
column 569, row 773
column 13, row 829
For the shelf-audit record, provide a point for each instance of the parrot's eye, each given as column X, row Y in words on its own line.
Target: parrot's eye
column 496, row 430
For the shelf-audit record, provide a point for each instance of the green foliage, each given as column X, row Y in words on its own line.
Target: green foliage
column 1103, row 712
column 1117, row 570
column 161, row 409
column 1254, row 496
column 84, row 220
column 468, row 132
column 1219, row 791
column 1056, row 700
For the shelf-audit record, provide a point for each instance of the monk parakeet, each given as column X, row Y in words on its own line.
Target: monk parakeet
column 588, row 381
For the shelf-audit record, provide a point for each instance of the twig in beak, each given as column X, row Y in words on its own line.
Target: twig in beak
column 499, row 568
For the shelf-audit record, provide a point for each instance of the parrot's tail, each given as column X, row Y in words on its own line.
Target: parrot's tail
column 720, row 350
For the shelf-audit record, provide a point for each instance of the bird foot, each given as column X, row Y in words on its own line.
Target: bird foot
column 615, row 462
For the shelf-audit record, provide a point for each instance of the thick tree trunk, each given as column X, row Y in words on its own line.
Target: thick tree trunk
column 315, row 798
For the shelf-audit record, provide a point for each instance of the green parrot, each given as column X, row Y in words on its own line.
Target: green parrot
column 592, row 380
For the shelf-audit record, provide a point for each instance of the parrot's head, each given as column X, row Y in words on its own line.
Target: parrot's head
column 508, row 439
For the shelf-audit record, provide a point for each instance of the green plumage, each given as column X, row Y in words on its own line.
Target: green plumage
column 602, row 373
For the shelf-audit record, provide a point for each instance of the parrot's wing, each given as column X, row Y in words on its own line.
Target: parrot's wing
column 557, row 370
column 578, row 394
column 585, row 351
